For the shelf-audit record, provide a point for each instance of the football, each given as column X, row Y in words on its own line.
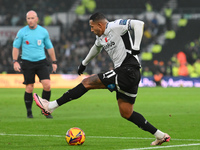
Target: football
column 75, row 136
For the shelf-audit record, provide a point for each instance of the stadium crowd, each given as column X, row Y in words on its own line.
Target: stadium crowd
column 75, row 42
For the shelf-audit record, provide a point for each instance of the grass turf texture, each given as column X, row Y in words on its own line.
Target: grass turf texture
column 173, row 110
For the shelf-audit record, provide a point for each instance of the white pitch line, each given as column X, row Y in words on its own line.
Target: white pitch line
column 183, row 145
column 30, row 135
column 97, row 137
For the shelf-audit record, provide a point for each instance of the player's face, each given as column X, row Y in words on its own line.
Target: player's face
column 32, row 20
column 96, row 28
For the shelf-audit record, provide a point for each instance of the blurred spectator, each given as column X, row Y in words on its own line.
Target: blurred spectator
column 170, row 34
column 146, row 56
column 175, row 70
column 162, row 68
column 80, row 50
column 156, row 48
column 157, row 78
column 15, row 19
column 182, row 22
column 47, row 19
column 168, row 14
column 191, row 69
column 169, row 68
column 96, row 69
column 174, row 59
column 183, row 70
column 148, row 6
column 155, row 66
column 80, row 9
column 197, row 66
column 90, row 5
column 146, row 72
column 181, row 58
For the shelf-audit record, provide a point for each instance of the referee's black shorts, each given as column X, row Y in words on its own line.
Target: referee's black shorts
column 30, row 69
column 124, row 80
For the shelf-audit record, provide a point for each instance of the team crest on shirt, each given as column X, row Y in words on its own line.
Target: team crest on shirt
column 39, row 42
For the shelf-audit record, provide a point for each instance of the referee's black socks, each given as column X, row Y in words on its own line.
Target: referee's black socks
column 142, row 123
column 28, row 99
column 74, row 93
column 46, row 95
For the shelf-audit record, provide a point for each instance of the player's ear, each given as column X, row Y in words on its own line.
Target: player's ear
column 100, row 25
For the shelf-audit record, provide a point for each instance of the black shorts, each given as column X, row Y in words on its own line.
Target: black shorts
column 123, row 80
column 30, row 69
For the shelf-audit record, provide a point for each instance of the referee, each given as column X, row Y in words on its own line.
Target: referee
column 115, row 39
column 33, row 39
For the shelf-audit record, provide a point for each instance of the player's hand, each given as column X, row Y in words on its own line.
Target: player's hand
column 81, row 68
column 17, row 66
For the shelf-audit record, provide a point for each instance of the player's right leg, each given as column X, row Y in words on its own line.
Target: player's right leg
column 92, row 82
column 42, row 104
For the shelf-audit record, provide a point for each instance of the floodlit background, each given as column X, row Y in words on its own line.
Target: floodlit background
column 170, row 49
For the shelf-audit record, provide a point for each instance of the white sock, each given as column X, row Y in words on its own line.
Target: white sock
column 53, row 105
column 159, row 134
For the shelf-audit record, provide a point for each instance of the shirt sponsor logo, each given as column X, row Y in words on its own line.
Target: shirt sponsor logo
column 109, row 45
column 27, row 42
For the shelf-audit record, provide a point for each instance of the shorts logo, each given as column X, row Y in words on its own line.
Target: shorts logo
column 111, row 86
column 39, row 42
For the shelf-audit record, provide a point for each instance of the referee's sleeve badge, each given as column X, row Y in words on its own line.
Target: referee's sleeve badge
column 39, row 42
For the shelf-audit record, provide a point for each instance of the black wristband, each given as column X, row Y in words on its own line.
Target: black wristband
column 14, row 61
column 54, row 62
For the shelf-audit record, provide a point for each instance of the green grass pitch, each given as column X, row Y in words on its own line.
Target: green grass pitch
column 172, row 110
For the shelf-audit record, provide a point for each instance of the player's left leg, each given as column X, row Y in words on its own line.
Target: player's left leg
column 126, row 111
